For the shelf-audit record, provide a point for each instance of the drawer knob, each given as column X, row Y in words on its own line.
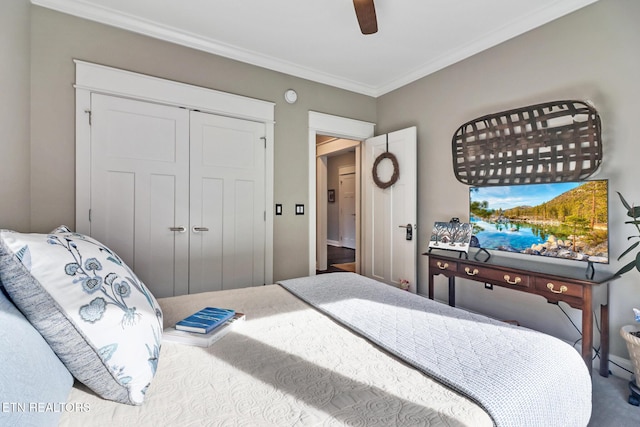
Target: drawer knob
column 471, row 273
column 563, row 288
column 443, row 266
column 515, row 281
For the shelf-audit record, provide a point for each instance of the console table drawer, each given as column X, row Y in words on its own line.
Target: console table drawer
column 498, row 277
column 439, row 265
column 557, row 287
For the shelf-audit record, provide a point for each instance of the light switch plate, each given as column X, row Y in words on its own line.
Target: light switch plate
column 299, row 209
column 278, row 208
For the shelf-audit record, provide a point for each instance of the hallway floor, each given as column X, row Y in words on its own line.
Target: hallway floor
column 337, row 255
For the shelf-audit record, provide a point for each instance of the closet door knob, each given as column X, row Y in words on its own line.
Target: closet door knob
column 199, row 229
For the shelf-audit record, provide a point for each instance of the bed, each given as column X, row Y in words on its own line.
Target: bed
column 286, row 365
column 331, row 349
column 291, row 364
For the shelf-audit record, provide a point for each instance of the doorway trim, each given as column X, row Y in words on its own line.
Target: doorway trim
column 339, row 127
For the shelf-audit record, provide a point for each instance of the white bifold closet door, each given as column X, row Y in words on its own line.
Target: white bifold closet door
column 179, row 195
column 227, row 203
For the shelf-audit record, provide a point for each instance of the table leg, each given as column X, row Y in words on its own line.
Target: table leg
column 604, row 340
column 587, row 329
column 452, row 291
column 430, row 286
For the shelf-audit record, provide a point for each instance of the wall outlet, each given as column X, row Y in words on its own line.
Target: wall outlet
column 488, row 286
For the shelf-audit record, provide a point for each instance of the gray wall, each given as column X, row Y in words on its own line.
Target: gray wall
column 58, row 38
column 591, row 54
column 14, row 115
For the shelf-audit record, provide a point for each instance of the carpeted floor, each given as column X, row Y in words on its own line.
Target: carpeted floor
column 610, row 405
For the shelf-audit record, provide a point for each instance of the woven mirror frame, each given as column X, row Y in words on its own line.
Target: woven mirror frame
column 551, row 142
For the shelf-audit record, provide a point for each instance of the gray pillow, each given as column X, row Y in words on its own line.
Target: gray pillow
column 33, row 381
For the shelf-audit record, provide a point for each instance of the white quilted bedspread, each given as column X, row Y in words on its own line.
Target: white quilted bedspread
column 521, row 377
column 287, row 365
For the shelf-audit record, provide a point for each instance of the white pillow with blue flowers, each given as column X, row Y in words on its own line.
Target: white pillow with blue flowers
column 97, row 316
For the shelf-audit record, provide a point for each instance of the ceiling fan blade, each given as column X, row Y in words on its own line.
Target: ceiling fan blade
column 366, row 13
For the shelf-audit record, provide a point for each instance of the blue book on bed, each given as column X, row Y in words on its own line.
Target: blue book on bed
column 205, row 320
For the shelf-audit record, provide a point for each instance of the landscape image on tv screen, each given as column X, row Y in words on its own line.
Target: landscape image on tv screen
column 567, row 220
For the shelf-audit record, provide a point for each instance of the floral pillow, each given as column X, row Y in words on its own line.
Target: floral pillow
column 97, row 316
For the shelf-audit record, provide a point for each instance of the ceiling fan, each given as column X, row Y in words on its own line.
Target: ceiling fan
column 366, row 14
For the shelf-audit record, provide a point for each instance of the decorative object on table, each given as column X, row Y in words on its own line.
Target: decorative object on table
column 205, row 320
column 202, row 340
column 331, row 198
column 475, row 243
column 550, row 142
column 631, row 333
column 451, row 236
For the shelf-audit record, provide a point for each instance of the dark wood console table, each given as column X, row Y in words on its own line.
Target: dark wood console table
column 551, row 281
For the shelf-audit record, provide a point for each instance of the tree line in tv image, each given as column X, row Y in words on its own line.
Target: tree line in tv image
column 559, row 220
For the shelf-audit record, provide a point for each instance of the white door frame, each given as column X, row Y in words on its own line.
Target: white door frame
column 340, row 127
column 94, row 78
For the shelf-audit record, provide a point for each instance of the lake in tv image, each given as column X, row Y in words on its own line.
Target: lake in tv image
column 567, row 220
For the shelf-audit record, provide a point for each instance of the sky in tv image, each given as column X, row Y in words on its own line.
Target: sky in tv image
column 509, row 196
column 559, row 220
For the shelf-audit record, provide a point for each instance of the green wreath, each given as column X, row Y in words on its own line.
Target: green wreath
column 394, row 176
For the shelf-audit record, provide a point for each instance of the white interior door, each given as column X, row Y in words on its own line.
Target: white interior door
column 227, row 203
column 347, row 202
column 140, row 188
column 387, row 254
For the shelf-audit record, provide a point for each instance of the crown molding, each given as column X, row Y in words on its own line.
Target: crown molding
column 166, row 33
column 107, row 16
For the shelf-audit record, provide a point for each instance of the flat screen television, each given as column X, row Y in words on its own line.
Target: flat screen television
column 564, row 220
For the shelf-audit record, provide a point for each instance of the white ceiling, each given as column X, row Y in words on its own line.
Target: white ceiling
column 320, row 40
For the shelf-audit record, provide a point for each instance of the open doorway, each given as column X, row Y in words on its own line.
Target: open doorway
column 336, row 127
column 338, row 222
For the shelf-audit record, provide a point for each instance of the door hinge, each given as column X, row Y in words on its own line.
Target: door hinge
column 265, row 215
column 88, row 111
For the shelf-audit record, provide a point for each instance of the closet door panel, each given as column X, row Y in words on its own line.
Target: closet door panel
column 140, row 161
column 242, row 262
column 207, row 276
column 164, row 259
column 119, row 212
column 231, row 152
